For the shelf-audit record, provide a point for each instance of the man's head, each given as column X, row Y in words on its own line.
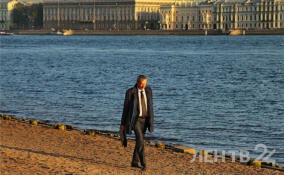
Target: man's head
column 141, row 81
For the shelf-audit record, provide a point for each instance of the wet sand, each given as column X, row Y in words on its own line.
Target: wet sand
column 29, row 149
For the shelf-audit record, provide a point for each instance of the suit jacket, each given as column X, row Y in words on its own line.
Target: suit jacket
column 131, row 109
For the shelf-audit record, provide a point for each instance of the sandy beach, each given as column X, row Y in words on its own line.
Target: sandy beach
column 31, row 149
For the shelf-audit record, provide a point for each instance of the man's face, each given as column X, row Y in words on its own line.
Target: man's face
column 142, row 83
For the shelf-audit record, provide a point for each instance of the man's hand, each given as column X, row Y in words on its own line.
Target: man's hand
column 123, row 136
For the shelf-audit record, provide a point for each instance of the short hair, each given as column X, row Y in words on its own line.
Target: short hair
column 141, row 77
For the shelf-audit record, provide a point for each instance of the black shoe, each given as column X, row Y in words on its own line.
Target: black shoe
column 144, row 168
column 135, row 165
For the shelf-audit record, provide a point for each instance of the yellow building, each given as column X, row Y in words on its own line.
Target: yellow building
column 163, row 14
column 102, row 14
column 187, row 15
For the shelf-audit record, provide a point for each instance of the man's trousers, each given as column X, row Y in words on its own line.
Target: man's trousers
column 139, row 153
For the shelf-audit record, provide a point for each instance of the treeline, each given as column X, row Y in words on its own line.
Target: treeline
column 27, row 17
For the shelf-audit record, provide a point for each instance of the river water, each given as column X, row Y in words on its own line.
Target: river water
column 209, row 92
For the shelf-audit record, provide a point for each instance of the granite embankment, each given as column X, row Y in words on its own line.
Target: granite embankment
column 152, row 32
column 33, row 147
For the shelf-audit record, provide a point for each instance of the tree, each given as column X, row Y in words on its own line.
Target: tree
column 36, row 15
column 27, row 17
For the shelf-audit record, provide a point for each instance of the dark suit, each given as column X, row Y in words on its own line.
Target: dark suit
column 131, row 120
column 131, row 109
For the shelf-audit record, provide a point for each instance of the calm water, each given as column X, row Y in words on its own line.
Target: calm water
column 209, row 91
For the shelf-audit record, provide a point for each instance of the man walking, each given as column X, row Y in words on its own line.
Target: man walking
column 138, row 115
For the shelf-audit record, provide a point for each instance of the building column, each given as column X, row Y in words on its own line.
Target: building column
column 173, row 17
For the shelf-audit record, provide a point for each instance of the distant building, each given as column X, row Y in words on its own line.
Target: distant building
column 102, row 14
column 253, row 14
column 4, row 15
column 163, row 14
column 223, row 15
column 187, row 16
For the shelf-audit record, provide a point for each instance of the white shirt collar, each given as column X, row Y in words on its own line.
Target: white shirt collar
column 141, row 90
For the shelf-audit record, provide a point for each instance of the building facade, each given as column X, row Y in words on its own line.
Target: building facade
column 4, row 18
column 258, row 14
column 163, row 14
column 223, row 15
column 88, row 14
column 187, row 16
column 102, row 14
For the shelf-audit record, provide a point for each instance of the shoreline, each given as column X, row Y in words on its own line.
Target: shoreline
column 150, row 32
column 66, row 143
